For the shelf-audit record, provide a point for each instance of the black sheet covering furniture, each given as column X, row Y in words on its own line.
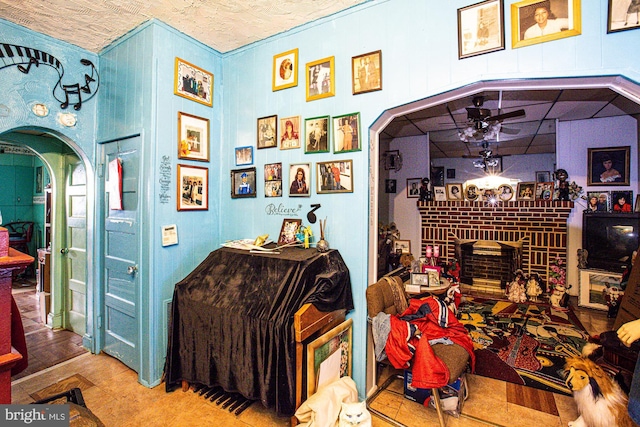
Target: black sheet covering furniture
column 232, row 319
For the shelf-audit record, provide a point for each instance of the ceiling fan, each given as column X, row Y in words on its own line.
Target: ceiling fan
column 482, row 126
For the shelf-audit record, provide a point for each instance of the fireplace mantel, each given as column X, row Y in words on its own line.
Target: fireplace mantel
column 541, row 226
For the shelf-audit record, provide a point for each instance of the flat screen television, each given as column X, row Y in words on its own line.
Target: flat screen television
column 610, row 239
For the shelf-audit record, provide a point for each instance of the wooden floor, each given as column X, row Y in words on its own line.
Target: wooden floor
column 46, row 347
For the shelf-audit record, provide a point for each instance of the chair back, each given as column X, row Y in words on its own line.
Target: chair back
column 386, row 295
column 20, row 231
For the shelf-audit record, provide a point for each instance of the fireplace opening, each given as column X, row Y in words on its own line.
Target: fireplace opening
column 488, row 263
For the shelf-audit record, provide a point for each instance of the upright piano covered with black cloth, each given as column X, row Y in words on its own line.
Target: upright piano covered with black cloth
column 232, row 319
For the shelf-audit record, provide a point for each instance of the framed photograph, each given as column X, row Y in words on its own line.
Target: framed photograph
column 335, row 177
column 39, row 180
column 193, row 137
column 451, row 174
column 390, row 186
column 193, row 188
column 402, row 246
column 544, row 190
column 320, row 79
column 526, row 191
column 392, row 160
column 623, row 15
column 471, row 193
column 593, row 285
column 505, row 192
column 244, row 156
column 598, row 201
column 346, row 133
column 193, row 83
column 480, row 28
column 273, row 180
column 337, row 343
column 608, row 166
column 288, row 231
column 622, row 201
column 267, row 131
column 543, row 176
column 243, row 183
column 454, row 192
column 539, row 21
column 285, row 70
column 366, row 72
column 299, row 179
column 413, row 187
column 439, row 193
column 290, row 132
column 316, row 134
column 488, row 195
column 437, row 176
column 420, row 279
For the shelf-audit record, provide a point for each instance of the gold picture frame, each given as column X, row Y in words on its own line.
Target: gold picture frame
column 193, row 83
column 193, row 188
column 608, row 166
column 480, row 28
column 454, row 192
column 285, row 70
column 321, row 81
column 340, row 339
column 562, row 21
column 366, row 72
column 193, row 137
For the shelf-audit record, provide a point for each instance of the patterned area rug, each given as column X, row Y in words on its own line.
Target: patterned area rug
column 525, row 343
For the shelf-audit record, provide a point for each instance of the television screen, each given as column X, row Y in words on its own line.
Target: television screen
column 610, row 239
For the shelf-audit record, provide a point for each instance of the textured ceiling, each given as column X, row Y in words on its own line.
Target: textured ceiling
column 223, row 25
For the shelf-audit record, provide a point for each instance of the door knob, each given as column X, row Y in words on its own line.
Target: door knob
column 132, row 269
column 64, row 251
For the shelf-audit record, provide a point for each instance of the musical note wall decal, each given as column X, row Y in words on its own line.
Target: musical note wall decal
column 23, row 57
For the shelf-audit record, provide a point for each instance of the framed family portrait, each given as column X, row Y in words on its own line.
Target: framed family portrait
column 320, row 79
column 608, row 166
column 289, row 132
column 402, row 246
column 288, row 231
column 267, row 131
column 331, row 352
column 243, row 183
column 244, row 156
column 285, row 70
column 335, row 177
column 193, row 83
column 454, row 192
column 526, row 191
column 193, row 137
column 193, row 188
column 598, row 201
column 413, row 187
column 622, row 201
column 346, row 133
column 539, row 21
column 544, row 190
column 316, row 135
column 623, row 15
column 505, row 192
column 299, row 179
column 390, row 186
column 273, row 180
column 471, row 192
column 366, row 72
column 480, row 28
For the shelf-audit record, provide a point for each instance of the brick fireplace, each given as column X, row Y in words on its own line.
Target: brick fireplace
column 537, row 230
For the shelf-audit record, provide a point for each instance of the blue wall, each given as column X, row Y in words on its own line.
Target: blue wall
column 419, row 46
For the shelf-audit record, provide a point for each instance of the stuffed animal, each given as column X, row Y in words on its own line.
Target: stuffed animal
column 557, row 298
column 600, row 400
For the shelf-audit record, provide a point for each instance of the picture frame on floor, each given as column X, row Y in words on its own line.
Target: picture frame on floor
column 336, row 344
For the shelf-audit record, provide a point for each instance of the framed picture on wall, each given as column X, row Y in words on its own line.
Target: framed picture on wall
column 623, row 15
column 346, row 133
column 321, row 81
column 193, row 137
column 608, row 166
column 299, row 180
column 390, row 186
column 289, row 132
column 243, row 183
column 273, row 180
column 413, row 187
column 244, row 156
column 285, row 70
column 543, row 176
column 267, row 131
column 480, row 28
column 335, row 177
column 193, row 83
column 366, row 72
column 193, row 188
column 536, row 21
column 316, row 134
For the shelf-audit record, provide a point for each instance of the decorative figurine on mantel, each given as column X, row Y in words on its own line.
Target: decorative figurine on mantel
column 425, row 194
column 516, row 289
column 563, row 186
column 533, row 287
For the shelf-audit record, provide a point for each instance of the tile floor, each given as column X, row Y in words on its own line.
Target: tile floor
column 119, row 400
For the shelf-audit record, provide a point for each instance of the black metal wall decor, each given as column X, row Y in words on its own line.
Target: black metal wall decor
column 24, row 58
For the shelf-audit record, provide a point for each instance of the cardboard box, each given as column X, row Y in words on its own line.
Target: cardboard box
column 45, row 305
column 421, row 394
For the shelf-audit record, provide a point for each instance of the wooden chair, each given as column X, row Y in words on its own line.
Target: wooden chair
column 380, row 298
column 20, row 234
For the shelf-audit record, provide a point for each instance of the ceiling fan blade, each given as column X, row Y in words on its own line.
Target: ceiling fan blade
column 478, row 113
column 509, row 131
column 504, row 116
column 452, row 118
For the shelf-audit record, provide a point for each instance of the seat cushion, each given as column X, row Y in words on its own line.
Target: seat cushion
column 454, row 356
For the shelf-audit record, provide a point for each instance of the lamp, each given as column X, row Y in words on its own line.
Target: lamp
column 480, row 131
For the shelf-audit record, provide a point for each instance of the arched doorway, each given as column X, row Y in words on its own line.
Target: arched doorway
column 72, row 249
column 619, row 85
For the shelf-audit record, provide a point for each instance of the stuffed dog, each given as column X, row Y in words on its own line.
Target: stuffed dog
column 600, row 400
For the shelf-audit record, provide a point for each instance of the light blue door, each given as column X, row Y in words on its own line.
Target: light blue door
column 121, row 252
